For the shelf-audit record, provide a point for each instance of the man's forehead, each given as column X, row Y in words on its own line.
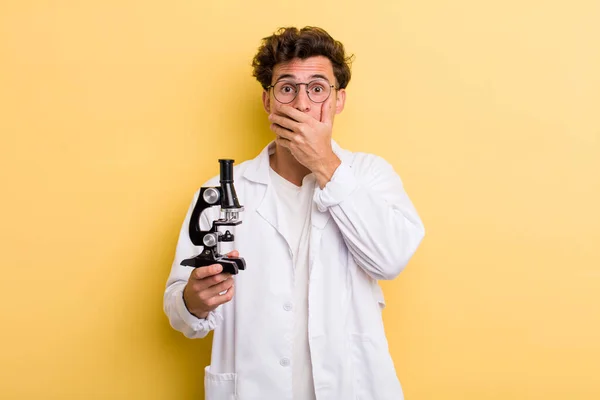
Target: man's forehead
column 305, row 68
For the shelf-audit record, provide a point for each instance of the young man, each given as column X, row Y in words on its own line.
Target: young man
column 321, row 226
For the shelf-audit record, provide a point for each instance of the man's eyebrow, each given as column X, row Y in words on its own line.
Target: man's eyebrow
column 319, row 76
column 316, row 76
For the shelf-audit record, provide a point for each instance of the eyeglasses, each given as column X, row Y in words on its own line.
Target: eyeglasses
column 285, row 91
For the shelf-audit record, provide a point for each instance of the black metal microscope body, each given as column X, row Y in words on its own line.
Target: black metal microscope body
column 225, row 197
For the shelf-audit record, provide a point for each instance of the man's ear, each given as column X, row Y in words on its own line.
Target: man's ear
column 266, row 101
column 340, row 101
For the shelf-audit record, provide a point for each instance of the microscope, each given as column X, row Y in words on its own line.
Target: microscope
column 219, row 239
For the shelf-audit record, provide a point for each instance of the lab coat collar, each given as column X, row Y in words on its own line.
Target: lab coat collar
column 258, row 168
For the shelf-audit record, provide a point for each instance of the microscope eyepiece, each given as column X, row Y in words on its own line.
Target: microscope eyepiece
column 228, row 196
column 226, row 170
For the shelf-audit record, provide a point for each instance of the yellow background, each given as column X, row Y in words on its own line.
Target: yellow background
column 112, row 113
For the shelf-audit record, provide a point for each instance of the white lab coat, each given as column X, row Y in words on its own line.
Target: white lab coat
column 364, row 228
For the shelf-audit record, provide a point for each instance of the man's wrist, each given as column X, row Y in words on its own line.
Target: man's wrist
column 326, row 170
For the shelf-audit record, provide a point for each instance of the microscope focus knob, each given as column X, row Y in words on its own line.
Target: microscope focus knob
column 211, row 195
column 210, row 240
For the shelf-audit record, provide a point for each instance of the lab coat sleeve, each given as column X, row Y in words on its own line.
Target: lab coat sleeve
column 174, row 306
column 377, row 220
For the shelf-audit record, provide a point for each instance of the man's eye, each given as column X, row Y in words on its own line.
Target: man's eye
column 287, row 89
column 317, row 88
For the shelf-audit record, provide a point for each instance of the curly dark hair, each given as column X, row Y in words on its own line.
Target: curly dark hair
column 289, row 43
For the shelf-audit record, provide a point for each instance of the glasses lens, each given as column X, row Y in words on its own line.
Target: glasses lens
column 318, row 91
column 285, row 92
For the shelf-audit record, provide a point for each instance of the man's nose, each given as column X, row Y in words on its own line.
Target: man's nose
column 302, row 102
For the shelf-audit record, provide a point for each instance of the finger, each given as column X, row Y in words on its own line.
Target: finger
column 213, row 281
column 205, row 272
column 282, row 132
column 222, row 298
column 233, row 253
column 294, row 114
column 327, row 111
column 216, row 289
column 284, row 122
column 283, row 142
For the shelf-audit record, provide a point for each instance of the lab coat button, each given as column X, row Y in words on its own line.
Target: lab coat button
column 288, row 306
column 284, row 362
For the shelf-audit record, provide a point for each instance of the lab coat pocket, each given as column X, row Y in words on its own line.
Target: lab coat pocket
column 219, row 386
column 374, row 373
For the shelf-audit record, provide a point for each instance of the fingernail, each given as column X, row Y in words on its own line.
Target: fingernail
column 218, row 268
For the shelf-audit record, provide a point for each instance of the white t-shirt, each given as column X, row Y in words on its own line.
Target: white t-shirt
column 294, row 208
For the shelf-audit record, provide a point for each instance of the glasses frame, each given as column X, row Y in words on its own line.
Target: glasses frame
column 297, row 85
